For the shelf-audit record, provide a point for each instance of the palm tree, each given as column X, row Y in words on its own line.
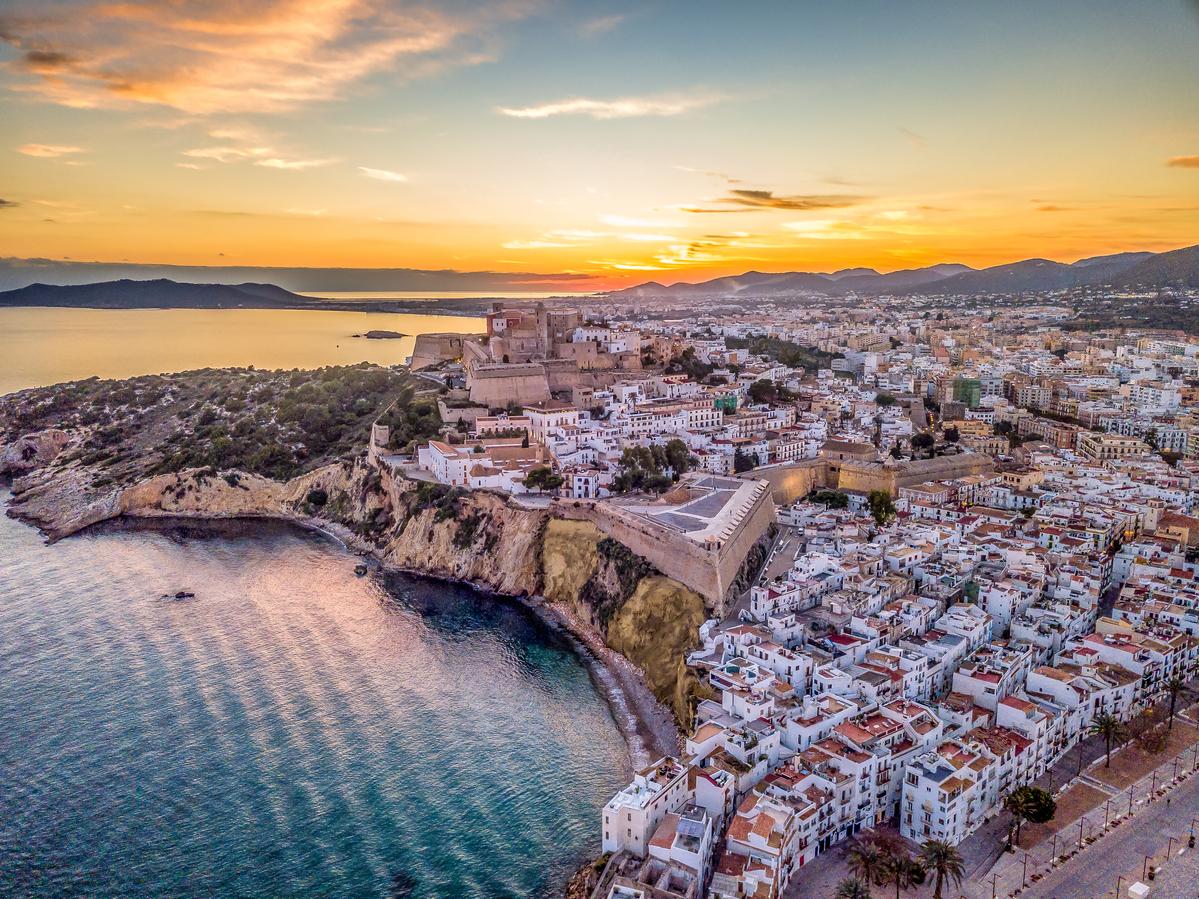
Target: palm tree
column 901, row 870
column 867, row 862
column 1109, row 727
column 852, row 888
column 944, row 861
column 1174, row 685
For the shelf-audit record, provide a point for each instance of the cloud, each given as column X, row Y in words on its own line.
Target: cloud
column 45, row 150
column 765, row 199
column 602, row 26
column 1051, row 208
column 190, row 165
column 213, row 56
column 381, row 174
column 826, row 229
column 8, row 204
column 264, row 156
column 228, row 154
column 914, row 139
column 626, row 107
column 1183, row 162
column 293, row 164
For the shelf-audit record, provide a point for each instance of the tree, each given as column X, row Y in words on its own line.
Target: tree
column 884, row 399
column 743, row 461
column 952, row 435
column 1029, row 803
column 902, row 870
column 678, row 457
column 944, row 862
column 543, row 479
column 1174, row 686
column 852, row 888
column 524, row 443
column 762, row 391
column 923, row 440
column 866, row 861
column 881, row 506
column 896, row 452
column 1109, row 727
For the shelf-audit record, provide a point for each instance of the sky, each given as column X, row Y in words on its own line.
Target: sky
column 611, row 142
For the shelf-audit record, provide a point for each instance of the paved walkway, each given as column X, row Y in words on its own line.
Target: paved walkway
column 1083, row 856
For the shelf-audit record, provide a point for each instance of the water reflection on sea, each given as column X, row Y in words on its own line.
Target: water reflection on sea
column 292, row 730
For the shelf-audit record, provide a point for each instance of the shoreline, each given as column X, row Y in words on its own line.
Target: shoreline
column 647, row 727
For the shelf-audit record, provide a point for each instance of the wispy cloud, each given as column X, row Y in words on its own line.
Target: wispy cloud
column 914, row 139
column 48, row 151
column 623, row 108
column 209, row 56
column 293, row 164
column 8, row 204
column 602, row 26
column 826, row 229
column 1183, row 162
column 381, row 174
column 228, row 154
column 263, row 156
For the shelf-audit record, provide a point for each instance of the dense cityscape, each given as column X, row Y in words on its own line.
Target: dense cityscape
column 981, row 551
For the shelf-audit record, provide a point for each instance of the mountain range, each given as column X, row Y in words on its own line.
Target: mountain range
column 1122, row 270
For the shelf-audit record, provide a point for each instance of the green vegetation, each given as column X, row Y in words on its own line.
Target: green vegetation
column 787, row 353
column 881, row 507
column 743, row 461
column 642, row 467
column 944, row 862
column 277, row 424
column 543, row 479
column 687, row 364
column 830, row 498
column 1029, row 803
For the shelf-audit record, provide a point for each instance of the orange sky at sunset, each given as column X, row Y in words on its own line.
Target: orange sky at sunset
column 662, row 141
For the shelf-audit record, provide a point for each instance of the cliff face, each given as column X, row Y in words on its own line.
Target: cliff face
column 650, row 619
column 480, row 538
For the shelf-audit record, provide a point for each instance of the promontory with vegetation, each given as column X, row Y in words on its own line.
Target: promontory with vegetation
column 293, row 445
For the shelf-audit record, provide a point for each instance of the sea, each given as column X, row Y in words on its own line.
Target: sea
column 292, row 729
column 41, row 346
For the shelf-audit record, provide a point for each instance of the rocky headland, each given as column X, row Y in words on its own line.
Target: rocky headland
column 631, row 624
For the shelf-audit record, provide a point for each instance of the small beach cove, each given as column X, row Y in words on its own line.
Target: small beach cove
column 317, row 732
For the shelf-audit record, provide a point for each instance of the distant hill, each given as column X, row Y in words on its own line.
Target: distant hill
column 158, row 294
column 1029, row 275
column 1177, row 268
column 759, row 284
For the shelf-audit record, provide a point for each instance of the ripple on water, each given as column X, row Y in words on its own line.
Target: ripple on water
column 292, row 731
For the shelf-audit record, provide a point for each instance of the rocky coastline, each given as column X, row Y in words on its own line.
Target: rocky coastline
column 59, row 507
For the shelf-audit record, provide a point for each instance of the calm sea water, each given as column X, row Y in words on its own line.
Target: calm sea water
column 41, row 346
column 292, row 731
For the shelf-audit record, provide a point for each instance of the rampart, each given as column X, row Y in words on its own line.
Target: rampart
column 891, row 475
column 433, row 348
column 710, row 573
column 790, row 481
column 497, row 385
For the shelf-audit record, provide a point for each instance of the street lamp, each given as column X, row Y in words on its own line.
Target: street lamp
column 1025, row 879
column 1118, row 882
column 994, row 881
column 1145, row 868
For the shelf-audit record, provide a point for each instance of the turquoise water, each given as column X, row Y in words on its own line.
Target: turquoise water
column 291, row 731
